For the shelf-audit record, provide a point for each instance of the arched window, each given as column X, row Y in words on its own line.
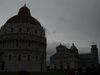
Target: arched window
column 28, row 58
column 12, row 29
column 55, row 68
column 41, row 66
column 29, row 43
column 10, row 57
column 61, row 67
column 17, row 43
column 5, row 30
column 20, row 29
column 36, row 58
column 19, row 57
column 3, row 65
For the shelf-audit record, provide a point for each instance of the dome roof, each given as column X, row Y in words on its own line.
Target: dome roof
column 61, row 46
column 23, row 16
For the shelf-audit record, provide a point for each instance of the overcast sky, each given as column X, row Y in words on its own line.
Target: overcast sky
column 65, row 21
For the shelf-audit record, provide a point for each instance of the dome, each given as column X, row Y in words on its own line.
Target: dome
column 23, row 16
column 61, row 46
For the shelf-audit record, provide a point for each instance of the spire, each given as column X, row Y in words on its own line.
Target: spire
column 60, row 44
column 73, row 44
column 73, row 47
column 25, row 5
column 24, row 11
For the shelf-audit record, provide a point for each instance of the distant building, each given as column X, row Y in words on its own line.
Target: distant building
column 65, row 58
column 89, row 59
column 22, row 44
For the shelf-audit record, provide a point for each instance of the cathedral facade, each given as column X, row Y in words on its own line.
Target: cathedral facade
column 65, row 58
column 89, row 59
column 22, row 43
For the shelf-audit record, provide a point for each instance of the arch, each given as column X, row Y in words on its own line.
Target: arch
column 19, row 57
column 12, row 29
column 3, row 65
column 36, row 58
column 28, row 58
column 20, row 29
column 10, row 57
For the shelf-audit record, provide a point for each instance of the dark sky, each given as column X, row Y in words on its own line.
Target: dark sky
column 65, row 21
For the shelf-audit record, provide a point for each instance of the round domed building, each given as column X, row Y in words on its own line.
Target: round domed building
column 22, row 44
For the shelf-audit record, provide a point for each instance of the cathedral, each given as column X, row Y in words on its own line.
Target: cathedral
column 22, row 43
column 66, row 58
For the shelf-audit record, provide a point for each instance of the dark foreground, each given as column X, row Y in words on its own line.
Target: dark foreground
column 46, row 73
column 35, row 73
column 80, row 71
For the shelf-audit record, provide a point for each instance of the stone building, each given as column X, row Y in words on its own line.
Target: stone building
column 89, row 59
column 22, row 43
column 65, row 58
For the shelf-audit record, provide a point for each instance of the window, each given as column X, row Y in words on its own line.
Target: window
column 36, row 58
column 10, row 57
column 20, row 29
column 28, row 57
column 5, row 30
column 17, row 43
column 33, row 57
column 19, row 57
column 61, row 67
column 29, row 43
column 12, row 29
column 41, row 67
column 3, row 65
column 55, row 68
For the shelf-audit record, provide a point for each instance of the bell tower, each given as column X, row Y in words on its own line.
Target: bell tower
column 94, row 52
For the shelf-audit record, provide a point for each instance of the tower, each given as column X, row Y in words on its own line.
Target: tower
column 94, row 52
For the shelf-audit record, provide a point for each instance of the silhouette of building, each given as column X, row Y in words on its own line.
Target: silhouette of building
column 65, row 58
column 22, row 43
column 89, row 59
